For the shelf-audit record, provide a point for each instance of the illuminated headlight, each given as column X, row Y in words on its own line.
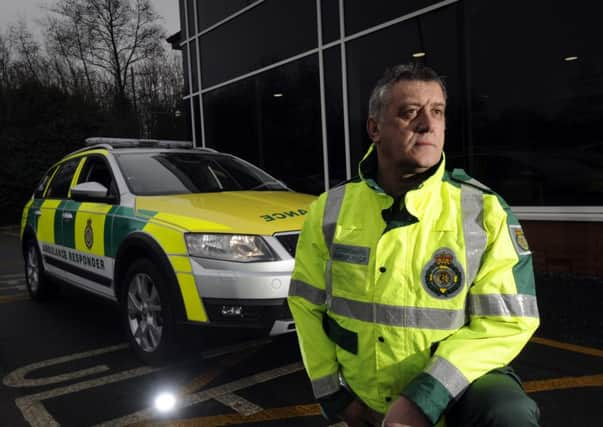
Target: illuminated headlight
column 229, row 247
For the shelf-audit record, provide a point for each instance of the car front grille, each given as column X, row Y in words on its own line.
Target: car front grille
column 289, row 241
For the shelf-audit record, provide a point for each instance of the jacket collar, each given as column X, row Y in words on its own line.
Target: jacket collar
column 425, row 201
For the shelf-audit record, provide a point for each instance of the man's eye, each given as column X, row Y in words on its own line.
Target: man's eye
column 409, row 114
column 438, row 112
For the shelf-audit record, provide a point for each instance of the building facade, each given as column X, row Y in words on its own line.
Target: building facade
column 285, row 85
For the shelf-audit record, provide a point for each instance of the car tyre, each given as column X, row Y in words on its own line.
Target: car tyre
column 148, row 313
column 39, row 286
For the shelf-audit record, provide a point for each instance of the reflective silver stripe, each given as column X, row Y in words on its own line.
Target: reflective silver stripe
column 448, row 375
column 351, row 254
column 331, row 213
column 325, row 385
column 329, row 282
column 391, row 315
column 298, row 288
column 503, row 305
column 475, row 236
column 329, row 222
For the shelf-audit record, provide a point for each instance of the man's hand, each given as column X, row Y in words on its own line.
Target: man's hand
column 357, row 414
column 404, row 413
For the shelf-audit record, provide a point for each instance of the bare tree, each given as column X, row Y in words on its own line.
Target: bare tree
column 28, row 63
column 67, row 41
column 110, row 36
column 159, row 85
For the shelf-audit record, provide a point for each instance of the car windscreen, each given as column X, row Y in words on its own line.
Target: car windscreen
column 164, row 173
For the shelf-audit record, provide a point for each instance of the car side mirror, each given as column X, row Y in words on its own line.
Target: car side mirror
column 91, row 192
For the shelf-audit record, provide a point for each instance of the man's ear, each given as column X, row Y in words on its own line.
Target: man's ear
column 373, row 129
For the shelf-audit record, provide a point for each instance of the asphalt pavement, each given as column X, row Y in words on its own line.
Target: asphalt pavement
column 65, row 362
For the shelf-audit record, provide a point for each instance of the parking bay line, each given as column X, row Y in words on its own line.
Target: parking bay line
column 204, row 395
column 563, row 383
column 35, row 413
column 13, row 298
column 567, row 346
column 266, row 415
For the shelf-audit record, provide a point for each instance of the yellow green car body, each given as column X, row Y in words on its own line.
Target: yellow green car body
column 92, row 241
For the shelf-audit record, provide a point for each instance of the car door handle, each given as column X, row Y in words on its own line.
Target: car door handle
column 67, row 215
column 38, row 213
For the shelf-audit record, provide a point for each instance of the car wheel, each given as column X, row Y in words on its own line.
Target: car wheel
column 148, row 314
column 38, row 285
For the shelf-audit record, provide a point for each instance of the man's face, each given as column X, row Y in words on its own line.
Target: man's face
column 409, row 135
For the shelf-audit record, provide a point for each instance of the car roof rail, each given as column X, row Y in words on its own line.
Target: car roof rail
column 209, row 150
column 136, row 143
column 91, row 147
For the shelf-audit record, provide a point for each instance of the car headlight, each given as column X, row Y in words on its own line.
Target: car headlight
column 229, row 247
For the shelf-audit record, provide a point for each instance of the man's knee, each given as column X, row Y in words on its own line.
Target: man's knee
column 495, row 400
column 519, row 411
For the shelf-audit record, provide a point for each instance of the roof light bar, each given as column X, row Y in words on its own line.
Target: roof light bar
column 133, row 143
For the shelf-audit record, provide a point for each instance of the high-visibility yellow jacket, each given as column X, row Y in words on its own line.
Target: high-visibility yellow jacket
column 420, row 299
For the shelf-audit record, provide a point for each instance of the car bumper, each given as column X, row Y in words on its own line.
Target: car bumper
column 245, row 294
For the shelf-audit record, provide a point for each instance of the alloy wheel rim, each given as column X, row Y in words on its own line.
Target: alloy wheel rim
column 144, row 312
column 33, row 270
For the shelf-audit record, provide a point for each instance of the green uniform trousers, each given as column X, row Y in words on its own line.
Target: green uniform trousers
column 497, row 399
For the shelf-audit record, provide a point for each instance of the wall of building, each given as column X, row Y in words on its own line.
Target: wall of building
column 285, row 84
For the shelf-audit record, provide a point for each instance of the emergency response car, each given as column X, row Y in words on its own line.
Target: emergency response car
column 172, row 233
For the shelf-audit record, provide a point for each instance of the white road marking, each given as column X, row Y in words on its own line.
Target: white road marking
column 239, row 404
column 12, row 276
column 35, row 413
column 204, row 395
column 17, row 377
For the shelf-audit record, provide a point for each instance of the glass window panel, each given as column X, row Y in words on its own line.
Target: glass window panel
column 197, row 113
column 334, row 113
column 59, row 186
column 535, row 116
column 182, row 19
column 273, row 31
column 421, row 34
column 185, row 61
column 191, row 17
column 194, row 68
column 360, row 15
column 273, row 121
column 210, row 12
column 330, row 20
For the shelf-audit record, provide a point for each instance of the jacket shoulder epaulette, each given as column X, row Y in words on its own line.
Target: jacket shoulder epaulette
column 461, row 177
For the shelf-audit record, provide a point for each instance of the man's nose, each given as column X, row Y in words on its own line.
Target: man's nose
column 424, row 121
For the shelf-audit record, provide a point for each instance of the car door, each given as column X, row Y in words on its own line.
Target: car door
column 49, row 230
column 85, row 223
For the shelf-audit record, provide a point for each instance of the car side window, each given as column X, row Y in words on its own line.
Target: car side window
column 96, row 170
column 59, row 186
column 39, row 193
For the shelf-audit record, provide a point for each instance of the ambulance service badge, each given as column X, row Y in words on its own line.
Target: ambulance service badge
column 88, row 234
column 443, row 276
column 519, row 240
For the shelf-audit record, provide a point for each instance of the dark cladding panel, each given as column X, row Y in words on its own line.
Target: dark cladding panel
column 420, row 34
column 268, row 33
column 272, row 120
column 360, row 15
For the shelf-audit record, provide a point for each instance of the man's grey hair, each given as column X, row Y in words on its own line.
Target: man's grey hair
column 413, row 71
